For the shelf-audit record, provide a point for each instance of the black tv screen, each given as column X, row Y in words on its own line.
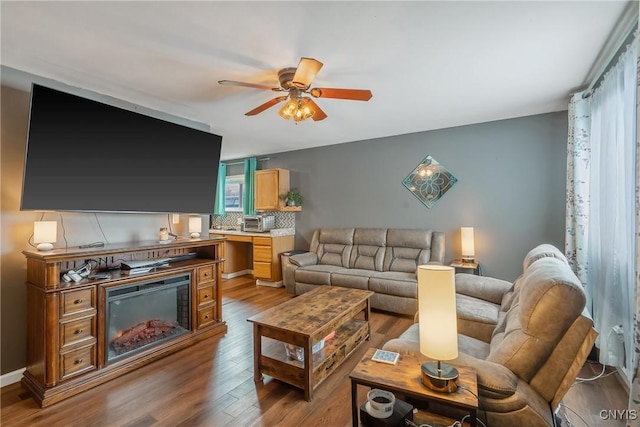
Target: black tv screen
column 84, row 155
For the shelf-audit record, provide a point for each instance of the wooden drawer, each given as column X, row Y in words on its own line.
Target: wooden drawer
column 327, row 366
column 205, row 274
column 262, row 241
column 236, row 238
column 262, row 253
column 77, row 301
column 206, row 316
column 354, row 341
column 206, row 295
column 262, row 270
column 77, row 361
column 77, row 331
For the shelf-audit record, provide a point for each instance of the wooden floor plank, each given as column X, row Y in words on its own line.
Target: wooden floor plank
column 211, row 383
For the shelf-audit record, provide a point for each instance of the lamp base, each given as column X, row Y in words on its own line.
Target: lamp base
column 439, row 377
column 44, row 246
column 195, row 235
column 469, row 260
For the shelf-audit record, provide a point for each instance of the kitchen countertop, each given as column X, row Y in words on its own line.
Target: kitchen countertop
column 273, row 233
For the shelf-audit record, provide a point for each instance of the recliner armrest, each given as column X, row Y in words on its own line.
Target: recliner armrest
column 482, row 287
column 494, row 380
column 302, row 260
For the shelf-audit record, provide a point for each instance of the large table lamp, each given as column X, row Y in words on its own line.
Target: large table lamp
column 468, row 244
column 438, row 326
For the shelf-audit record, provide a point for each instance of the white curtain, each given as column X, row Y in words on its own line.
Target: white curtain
column 578, row 170
column 611, row 218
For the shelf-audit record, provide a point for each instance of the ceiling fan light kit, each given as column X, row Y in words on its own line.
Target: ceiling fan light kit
column 297, row 81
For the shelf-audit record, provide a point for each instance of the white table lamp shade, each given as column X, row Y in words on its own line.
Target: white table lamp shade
column 45, row 234
column 195, row 226
column 437, row 306
column 468, row 245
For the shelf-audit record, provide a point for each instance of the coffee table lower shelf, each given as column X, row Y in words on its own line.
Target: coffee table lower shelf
column 276, row 363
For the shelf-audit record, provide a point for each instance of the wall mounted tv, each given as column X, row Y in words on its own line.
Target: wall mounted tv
column 83, row 155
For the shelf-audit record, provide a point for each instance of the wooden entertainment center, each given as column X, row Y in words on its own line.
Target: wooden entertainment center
column 67, row 341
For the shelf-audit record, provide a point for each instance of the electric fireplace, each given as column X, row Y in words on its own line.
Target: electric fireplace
column 145, row 314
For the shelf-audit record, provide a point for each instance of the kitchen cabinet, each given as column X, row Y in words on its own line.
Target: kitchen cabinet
column 269, row 184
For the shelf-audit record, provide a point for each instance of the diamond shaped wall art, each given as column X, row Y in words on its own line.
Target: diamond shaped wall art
column 429, row 181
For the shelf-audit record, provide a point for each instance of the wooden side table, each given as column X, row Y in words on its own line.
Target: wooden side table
column 404, row 377
column 466, row 267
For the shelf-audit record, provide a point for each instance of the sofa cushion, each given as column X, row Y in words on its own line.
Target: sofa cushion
column 367, row 257
column 351, row 278
column 476, row 317
column 332, row 245
column 316, row 274
column 334, row 254
column 407, row 249
column 472, row 346
column 482, row 287
column 394, row 283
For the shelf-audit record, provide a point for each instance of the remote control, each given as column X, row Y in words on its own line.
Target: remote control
column 98, row 276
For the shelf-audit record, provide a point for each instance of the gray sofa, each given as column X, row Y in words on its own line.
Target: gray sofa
column 377, row 259
column 527, row 339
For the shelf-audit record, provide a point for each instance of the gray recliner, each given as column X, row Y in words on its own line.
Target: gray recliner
column 527, row 340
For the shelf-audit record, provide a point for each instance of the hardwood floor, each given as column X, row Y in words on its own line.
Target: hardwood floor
column 211, row 384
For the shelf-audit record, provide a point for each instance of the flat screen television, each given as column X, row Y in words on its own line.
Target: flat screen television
column 84, row 155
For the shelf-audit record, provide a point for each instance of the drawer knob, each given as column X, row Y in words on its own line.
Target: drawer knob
column 206, row 316
column 78, row 301
column 78, row 331
column 77, row 361
column 206, row 295
column 206, row 274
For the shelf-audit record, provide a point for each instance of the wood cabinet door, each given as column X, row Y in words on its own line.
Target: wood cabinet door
column 269, row 184
column 266, row 189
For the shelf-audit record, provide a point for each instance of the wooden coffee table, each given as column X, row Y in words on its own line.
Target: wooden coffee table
column 305, row 321
column 404, row 377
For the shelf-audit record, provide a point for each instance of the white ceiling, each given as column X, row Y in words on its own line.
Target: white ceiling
column 429, row 65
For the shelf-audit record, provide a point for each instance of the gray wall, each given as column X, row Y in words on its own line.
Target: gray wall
column 511, row 186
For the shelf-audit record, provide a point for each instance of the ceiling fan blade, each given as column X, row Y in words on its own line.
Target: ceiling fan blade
column 253, row 85
column 352, row 94
column 319, row 114
column 306, row 72
column 259, row 109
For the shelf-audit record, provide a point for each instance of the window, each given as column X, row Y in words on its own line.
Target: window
column 233, row 193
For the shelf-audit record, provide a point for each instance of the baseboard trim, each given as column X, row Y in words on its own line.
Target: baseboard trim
column 236, row 274
column 11, row 377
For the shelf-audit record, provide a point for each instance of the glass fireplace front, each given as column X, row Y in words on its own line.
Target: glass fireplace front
column 145, row 314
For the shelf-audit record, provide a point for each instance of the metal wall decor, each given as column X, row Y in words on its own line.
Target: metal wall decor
column 429, row 181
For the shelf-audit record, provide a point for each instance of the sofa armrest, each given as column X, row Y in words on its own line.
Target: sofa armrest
column 494, row 380
column 302, row 260
column 482, row 287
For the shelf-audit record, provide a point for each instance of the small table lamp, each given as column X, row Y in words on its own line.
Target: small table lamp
column 45, row 234
column 438, row 326
column 468, row 245
column 195, row 226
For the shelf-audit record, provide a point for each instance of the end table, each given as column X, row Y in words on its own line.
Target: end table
column 466, row 267
column 405, row 378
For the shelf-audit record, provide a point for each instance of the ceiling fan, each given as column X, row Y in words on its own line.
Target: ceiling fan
column 297, row 83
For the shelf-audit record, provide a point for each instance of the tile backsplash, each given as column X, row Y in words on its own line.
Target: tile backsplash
column 282, row 219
